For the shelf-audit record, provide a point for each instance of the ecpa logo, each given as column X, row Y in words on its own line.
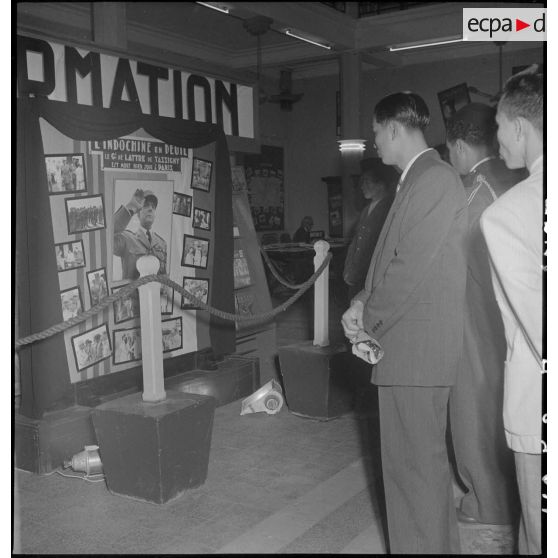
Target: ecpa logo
column 504, row 24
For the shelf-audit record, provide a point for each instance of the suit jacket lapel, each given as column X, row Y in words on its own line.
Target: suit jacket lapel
column 406, row 186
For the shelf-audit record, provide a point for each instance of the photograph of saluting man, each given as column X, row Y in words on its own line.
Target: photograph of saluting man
column 141, row 225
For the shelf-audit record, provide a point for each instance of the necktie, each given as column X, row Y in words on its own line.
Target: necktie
column 148, row 236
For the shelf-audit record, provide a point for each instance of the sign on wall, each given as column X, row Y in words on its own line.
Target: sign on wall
column 77, row 75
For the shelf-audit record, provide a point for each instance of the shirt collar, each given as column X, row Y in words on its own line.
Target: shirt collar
column 480, row 163
column 536, row 164
column 409, row 164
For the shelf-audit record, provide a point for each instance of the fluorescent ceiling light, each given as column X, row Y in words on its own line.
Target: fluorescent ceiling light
column 428, row 43
column 291, row 34
column 222, row 9
column 351, row 145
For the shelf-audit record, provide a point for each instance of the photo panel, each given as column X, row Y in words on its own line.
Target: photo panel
column 195, row 252
column 196, row 287
column 91, row 347
column 65, row 173
column 151, row 203
column 182, row 204
column 172, row 334
column 98, row 288
column 201, row 219
column 85, row 213
column 452, row 99
column 72, row 303
column 167, row 299
column 126, row 308
column 201, row 174
column 69, row 255
column 127, row 345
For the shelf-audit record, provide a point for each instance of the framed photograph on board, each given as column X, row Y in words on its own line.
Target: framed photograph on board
column 167, row 299
column 129, row 239
column 65, row 173
column 182, row 204
column 84, row 214
column 127, row 345
column 201, row 174
column 241, row 271
column 172, row 334
column 69, row 255
column 201, row 219
column 452, row 99
column 91, row 347
column 196, row 287
column 71, row 302
column 97, row 281
column 126, row 308
column 195, row 251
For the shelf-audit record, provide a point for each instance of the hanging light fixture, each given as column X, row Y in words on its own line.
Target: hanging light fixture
column 216, row 7
column 351, row 145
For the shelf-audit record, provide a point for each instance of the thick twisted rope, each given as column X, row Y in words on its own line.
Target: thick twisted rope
column 275, row 273
column 165, row 280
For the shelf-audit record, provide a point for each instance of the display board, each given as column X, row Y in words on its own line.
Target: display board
column 76, row 167
column 266, row 193
column 251, row 291
column 97, row 241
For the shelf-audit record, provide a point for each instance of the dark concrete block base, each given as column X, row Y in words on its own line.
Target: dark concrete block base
column 40, row 446
column 321, row 382
column 155, row 451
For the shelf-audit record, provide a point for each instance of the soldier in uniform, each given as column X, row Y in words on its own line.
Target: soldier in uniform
column 132, row 245
column 484, row 462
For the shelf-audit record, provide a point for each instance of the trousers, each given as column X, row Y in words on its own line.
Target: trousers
column 420, row 507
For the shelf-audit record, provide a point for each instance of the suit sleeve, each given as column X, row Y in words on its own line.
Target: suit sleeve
column 517, row 265
column 120, row 221
column 430, row 215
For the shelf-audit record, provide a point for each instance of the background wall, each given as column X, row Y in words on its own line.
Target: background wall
column 308, row 132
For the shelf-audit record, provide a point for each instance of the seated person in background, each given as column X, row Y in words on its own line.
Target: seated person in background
column 484, row 462
column 302, row 234
column 378, row 187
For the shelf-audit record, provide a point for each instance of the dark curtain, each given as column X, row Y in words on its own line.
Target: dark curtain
column 45, row 382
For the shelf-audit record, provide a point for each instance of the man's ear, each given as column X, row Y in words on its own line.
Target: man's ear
column 461, row 146
column 394, row 129
column 520, row 127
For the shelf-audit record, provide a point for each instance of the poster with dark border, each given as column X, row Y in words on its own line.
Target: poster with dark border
column 65, row 173
column 91, row 347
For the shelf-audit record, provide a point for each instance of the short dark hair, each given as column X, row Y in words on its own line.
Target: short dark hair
column 523, row 96
column 475, row 124
column 406, row 108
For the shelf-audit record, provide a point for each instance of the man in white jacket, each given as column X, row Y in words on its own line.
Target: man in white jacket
column 513, row 229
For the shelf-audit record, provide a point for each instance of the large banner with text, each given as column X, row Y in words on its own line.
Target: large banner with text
column 76, row 75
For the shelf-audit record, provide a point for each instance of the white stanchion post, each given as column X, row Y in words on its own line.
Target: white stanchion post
column 151, row 332
column 321, row 296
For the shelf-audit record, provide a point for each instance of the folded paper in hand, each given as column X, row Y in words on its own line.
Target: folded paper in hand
column 367, row 348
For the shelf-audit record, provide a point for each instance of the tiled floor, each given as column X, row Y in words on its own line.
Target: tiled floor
column 275, row 484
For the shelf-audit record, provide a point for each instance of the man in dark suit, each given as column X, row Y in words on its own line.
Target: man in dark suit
column 413, row 303
column 377, row 183
column 484, row 461
column 132, row 245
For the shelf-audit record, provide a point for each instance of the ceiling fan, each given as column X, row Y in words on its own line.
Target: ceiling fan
column 258, row 26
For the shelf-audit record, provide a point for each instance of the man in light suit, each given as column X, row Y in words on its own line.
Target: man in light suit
column 132, row 245
column 413, row 304
column 513, row 229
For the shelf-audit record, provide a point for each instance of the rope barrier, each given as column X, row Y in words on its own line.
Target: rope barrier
column 275, row 273
column 165, row 280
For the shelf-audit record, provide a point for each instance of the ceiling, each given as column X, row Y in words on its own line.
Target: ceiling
column 198, row 33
